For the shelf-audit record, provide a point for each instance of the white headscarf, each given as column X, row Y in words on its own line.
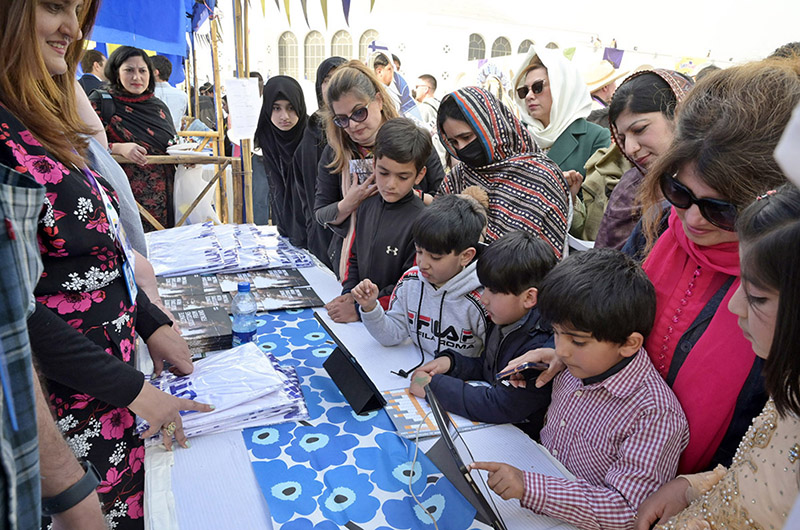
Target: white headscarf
column 571, row 98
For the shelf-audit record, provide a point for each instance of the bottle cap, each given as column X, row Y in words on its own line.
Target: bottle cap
column 244, row 287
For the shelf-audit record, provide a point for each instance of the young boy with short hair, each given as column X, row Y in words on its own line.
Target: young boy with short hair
column 382, row 247
column 613, row 421
column 437, row 303
column 510, row 270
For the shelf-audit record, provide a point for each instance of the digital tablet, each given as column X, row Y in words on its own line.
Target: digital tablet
column 452, row 456
column 349, row 376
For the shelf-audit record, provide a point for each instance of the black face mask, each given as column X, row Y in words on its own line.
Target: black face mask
column 473, row 154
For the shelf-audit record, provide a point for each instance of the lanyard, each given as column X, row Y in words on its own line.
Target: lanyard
column 118, row 233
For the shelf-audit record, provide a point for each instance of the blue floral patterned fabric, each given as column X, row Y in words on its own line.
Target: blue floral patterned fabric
column 339, row 469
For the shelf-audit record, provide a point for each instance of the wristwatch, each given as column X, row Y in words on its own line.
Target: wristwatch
column 75, row 493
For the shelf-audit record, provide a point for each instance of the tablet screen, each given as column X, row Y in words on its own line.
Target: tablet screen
column 471, row 485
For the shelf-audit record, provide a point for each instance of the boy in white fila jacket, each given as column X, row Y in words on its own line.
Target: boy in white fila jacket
column 437, row 302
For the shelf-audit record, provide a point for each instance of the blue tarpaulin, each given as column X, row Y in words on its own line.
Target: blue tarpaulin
column 149, row 24
column 158, row 25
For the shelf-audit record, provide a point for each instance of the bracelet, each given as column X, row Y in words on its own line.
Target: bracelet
column 75, row 493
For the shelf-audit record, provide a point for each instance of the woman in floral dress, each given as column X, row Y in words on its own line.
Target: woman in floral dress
column 82, row 331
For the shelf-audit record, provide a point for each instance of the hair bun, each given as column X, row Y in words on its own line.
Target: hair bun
column 477, row 193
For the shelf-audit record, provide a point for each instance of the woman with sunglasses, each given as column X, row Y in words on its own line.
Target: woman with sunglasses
column 553, row 102
column 760, row 486
column 525, row 188
column 721, row 157
column 281, row 125
column 358, row 106
column 641, row 115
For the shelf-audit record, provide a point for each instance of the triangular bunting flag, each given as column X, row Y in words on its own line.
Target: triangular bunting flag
column 324, row 4
column 305, row 11
column 286, row 6
column 346, row 7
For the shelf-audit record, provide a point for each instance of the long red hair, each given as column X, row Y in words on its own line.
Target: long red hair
column 44, row 104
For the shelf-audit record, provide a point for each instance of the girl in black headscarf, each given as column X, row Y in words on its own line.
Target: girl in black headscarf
column 280, row 128
column 306, row 160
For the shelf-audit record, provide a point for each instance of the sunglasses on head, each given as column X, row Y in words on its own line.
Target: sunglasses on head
column 721, row 214
column 343, row 120
column 536, row 88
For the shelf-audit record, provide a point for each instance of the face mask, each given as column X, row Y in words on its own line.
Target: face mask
column 473, row 154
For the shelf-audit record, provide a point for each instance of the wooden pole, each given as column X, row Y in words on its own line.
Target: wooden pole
column 219, row 145
column 245, row 30
column 242, row 62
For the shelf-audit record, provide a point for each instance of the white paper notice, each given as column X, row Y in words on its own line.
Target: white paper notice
column 244, row 107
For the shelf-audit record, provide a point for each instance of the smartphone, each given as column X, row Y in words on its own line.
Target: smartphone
column 362, row 168
column 521, row 368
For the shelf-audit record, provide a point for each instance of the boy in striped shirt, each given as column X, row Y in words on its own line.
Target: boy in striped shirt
column 613, row 421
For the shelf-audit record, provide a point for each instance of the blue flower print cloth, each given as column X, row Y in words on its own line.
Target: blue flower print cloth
column 339, row 469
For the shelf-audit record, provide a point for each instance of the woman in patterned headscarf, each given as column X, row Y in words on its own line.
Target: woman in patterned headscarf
column 526, row 190
column 642, row 116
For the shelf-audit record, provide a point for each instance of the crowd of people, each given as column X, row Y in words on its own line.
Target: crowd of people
column 666, row 349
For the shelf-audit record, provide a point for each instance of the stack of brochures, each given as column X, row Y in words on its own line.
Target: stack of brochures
column 208, row 248
column 247, row 387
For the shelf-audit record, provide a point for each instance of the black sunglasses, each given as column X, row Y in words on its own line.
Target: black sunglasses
column 536, row 88
column 721, row 214
column 343, row 120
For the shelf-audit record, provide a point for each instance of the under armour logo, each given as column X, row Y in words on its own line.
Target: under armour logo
column 390, row 250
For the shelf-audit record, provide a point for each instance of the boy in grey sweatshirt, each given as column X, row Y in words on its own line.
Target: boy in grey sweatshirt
column 437, row 302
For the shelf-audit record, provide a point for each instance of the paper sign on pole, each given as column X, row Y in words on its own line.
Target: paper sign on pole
column 244, row 107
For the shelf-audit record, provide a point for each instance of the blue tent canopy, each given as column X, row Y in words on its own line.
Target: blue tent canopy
column 149, row 24
column 157, row 25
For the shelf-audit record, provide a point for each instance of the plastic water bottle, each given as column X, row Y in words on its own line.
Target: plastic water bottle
column 243, row 309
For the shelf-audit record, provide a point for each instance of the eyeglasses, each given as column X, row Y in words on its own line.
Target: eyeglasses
column 721, row 214
column 343, row 120
column 536, row 88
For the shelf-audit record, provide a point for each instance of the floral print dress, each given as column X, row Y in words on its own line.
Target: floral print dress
column 83, row 284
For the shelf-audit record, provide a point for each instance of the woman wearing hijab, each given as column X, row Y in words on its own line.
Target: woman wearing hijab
column 641, row 115
column 280, row 128
column 526, row 190
column 138, row 124
column 306, row 160
column 554, row 102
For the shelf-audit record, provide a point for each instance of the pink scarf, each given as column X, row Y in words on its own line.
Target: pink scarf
column 716, row 368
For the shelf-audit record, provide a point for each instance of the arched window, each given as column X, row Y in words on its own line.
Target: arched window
column 525, row 45
column 501, row 47
column 287, row 54
column 315, row 53
column 477, row 47
column 342, row 44
column 363, row 44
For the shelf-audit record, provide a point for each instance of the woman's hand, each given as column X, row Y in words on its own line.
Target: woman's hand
column 356, row 195
column 574, row 181
column 668, row 500
column 132, row 151
column 539, row 355
column 166, row 345
column 161, row 410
